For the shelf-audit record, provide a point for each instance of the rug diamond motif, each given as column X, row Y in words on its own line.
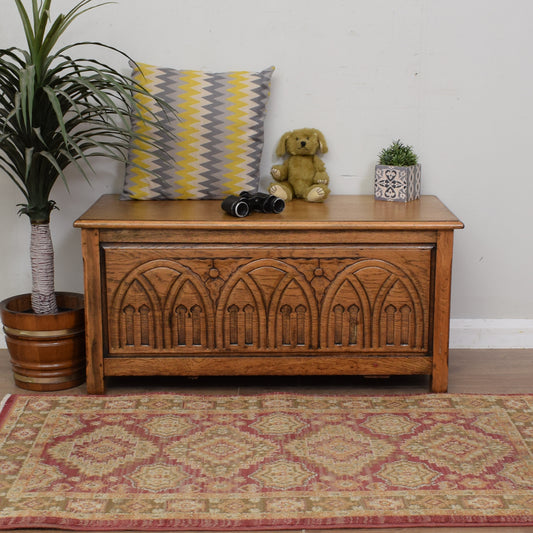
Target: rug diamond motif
column 520, row 472
column 168, row 426
column 408, row 474
column 390, row 424
column 278, row 424
column 340, row 449
column 460, row 449
column 221, row 450
column 66, row 425
column 42, row 477
column 102, row 450
column 283, row 475
column 158, row 477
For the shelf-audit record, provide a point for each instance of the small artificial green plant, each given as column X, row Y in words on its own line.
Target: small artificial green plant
column 398, row 155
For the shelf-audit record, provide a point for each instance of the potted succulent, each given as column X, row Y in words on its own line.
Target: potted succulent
column 56, row 111
column 398, row 173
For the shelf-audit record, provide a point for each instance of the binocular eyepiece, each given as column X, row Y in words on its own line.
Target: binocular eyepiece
column 242, row 205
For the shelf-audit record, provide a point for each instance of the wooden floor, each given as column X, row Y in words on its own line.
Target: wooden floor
column 471, row 371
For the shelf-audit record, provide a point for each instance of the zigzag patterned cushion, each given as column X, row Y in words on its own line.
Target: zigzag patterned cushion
column 218, row 142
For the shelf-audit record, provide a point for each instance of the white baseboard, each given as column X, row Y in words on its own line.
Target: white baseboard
column 476, row 333
column 491, row 333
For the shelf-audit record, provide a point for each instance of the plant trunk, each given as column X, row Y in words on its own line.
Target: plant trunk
column 43, row 298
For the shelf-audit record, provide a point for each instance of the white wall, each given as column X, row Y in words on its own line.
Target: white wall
column 452, row 78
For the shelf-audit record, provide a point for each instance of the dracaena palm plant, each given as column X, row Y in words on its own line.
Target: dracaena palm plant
column 57, row 111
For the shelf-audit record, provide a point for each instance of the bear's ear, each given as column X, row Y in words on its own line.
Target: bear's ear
column 322, row 145
column 281, row 149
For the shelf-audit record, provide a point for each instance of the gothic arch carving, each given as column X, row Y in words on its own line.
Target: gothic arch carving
column 376, row 326
column 189, row 311
column 135, row 292
column 154, row 319
column 279, row 301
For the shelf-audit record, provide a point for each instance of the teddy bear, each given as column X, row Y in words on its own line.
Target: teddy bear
column 302, row 174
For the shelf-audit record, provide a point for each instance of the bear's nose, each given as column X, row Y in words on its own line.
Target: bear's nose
column 302, row 143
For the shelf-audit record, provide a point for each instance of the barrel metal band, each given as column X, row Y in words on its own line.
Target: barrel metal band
column 61, row 379
column 43, row 334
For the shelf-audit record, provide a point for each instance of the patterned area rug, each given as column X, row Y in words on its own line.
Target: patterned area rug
column 273, row 461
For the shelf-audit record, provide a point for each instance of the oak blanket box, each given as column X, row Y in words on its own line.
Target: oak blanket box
column 352, row 286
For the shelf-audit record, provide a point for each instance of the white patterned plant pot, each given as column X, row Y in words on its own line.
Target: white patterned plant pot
column 397, row 184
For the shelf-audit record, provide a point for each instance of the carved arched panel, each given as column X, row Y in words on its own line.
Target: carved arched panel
column 160, row 305
column 343, row 324
column 136, row 320
column 188, row 314
column 241, row 316
column 374, row 305
column 398, row 315
column 293, row 314
column 135, row 315
column 267, row 304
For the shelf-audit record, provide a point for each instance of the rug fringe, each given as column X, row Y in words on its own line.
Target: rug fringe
column 4, row 401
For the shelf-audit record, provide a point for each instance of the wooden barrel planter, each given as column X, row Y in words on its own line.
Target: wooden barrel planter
column 47, row 351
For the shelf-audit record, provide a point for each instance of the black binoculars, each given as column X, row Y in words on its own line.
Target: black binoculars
column 242, row 205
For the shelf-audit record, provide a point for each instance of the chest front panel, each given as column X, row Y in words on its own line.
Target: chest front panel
column 269, row 298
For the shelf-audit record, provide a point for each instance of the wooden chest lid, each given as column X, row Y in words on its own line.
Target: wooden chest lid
column 353, row 212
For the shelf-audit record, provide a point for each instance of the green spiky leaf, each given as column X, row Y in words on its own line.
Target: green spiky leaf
column 57, row 111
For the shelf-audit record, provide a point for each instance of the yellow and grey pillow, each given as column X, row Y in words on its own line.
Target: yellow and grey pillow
column 216, row 139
